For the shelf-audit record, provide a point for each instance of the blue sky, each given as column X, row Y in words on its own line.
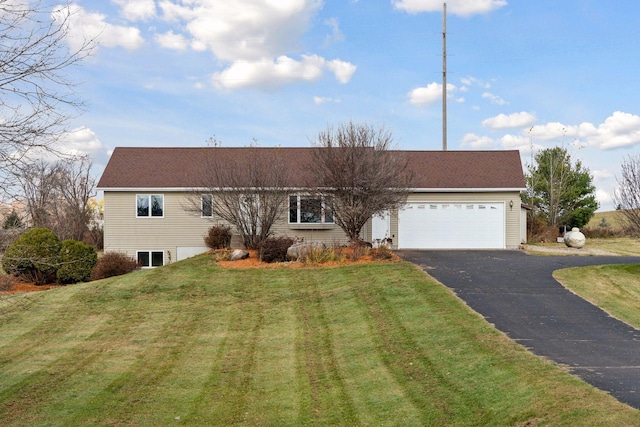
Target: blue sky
column 522, row 75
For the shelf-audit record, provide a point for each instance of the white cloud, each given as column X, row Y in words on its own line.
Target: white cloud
column 135, row 10
column 603, row 197
column 618, row 130
column 336, row 35
column 602, row 175
column 86, row 26
column 80, row 141
column 495, row 99
column 477, row 142
column 518, row 142
column 559, row 131
column 256, row 39
column 457, row 7
column 343, row 70
column 430, row 94
column 321, row 100
column 170, row 40
column 268, row 73
column 473, row 81
column 511, row 121
column 246, row 30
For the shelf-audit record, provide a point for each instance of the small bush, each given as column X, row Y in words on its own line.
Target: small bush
column 218, row 237
column 113, row 264
column 33, row 257
column 274, row 249
column 77, row 260
column 382, row 253
column 359, row 249
column 323, row 255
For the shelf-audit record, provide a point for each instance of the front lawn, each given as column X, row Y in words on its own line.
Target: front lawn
column 195, row 344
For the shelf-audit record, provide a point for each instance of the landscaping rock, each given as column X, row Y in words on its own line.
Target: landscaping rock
column 238, row 254
column 300, row 251
column 574, row 238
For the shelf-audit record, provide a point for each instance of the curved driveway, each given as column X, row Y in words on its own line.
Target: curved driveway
column 516, row 292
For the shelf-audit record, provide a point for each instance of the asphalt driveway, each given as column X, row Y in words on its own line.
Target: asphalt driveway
column 516, row 292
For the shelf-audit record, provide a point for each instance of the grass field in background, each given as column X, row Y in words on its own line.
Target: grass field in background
column 613, row 219
column 194, row 344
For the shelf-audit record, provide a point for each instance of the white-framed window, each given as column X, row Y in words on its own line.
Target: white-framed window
column 309, row 209
column 150, row 205
column 207, row 206
column 148, row 259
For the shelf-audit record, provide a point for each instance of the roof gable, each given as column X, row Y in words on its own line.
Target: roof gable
column 131, row 168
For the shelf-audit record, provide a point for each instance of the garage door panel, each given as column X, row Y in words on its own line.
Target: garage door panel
column 451, row 226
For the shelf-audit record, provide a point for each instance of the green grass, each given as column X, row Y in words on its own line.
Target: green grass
column 614, row 288
column 194, row 344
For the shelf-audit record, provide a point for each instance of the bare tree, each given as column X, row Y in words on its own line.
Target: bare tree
column 247, row 190
column 627, row 195
column 36, row 97
column 57, row 196
column 355, row 168
column 75, row 186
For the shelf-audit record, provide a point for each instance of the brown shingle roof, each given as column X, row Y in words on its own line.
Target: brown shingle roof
column 166, row 168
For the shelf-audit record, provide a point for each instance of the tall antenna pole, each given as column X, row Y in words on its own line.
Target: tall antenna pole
column 444, row 77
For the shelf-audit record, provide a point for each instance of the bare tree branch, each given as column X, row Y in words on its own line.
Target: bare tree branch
column 248, row 192
column 627, row 195
column 356, row 168
column 36, row 97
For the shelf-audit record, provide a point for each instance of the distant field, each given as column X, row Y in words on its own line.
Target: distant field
column 613, row 218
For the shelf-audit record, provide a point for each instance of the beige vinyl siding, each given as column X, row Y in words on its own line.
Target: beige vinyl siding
column 124, row 232
column 512, row 215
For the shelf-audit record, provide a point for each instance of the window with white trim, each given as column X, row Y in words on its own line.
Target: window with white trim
column 147, row 259
column 307, row 209
column 149, row 205
column 207, row 206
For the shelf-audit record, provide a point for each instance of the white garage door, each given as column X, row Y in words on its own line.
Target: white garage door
column 451, row 226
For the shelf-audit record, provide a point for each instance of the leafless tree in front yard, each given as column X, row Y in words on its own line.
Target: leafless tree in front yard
column 356, row 168
column 247, row 191
column 36, row 96
column 627, row 195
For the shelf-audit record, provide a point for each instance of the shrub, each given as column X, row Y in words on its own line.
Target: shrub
column 382, row 253
column 77, row 260
column 323, row 255
column 359, row 249
column 33, row 257
column 218, row 237
column 113, row 264
column 274, row 249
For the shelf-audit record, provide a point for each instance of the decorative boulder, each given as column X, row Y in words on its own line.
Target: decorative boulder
column 301, row 250
column 238, row 254
column 574, row 238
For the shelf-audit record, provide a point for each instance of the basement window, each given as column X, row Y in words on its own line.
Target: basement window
column 148, row 259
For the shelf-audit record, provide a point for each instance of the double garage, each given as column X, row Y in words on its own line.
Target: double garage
column 452, row 225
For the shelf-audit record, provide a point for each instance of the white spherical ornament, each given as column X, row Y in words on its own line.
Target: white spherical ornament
column 574, row 238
